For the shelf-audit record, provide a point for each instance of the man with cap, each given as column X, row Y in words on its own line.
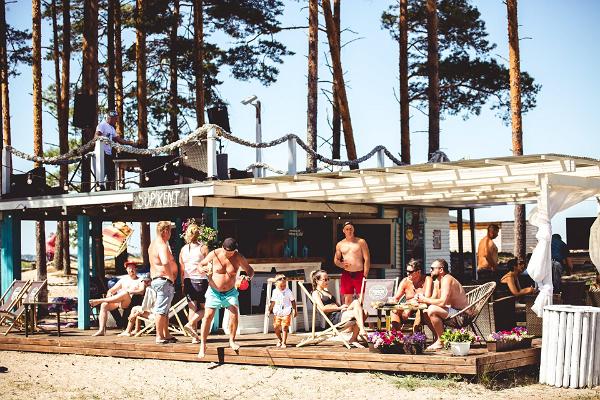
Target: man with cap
column 118, row 296
column 107, row 129
column 352, row 255
column 221, row 267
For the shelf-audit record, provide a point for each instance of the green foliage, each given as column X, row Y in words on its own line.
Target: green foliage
column 457, row 336
column 470, row 77
column 17, row 49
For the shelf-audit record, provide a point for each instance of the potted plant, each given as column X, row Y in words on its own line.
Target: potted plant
column 385, row 342
column 516, row 338
column 208, row 235
column 415, row 343
column 458, row 341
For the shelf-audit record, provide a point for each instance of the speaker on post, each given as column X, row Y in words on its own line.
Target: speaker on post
column 84, row 113
column 218, row 116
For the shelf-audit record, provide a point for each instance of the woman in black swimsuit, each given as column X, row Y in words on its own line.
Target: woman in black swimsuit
column 336, row 313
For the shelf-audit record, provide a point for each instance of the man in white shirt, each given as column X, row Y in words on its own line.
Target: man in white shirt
column 107, row 129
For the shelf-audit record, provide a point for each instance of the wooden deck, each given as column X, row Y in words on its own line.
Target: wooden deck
column 259, row 349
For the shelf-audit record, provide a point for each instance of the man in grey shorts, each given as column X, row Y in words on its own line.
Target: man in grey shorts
column 163, row 271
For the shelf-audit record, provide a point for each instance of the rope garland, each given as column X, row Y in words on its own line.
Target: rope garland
column 200, row 135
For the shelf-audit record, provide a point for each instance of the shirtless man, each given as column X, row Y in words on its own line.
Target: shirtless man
column 487, row 255
column 415, row 282
column 352, row 255
column 118, row 296
column 221, row 266
column 452, row 299
column 163, row 271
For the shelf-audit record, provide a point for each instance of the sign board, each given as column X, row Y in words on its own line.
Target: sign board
column 437, row 239
column 162, row 198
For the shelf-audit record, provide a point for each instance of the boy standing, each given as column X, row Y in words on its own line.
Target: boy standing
column 282, row 304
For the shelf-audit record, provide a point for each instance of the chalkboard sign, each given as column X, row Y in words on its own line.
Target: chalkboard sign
column 379, row 239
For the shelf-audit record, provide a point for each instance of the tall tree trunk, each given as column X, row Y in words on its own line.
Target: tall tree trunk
column 110, row 56
column 142, row 118
column 58, row 260
column 118, row 69
column 140, row 59
column 90, row 75
column 173, row 126
column 36, row 40
column 516, row 120
column 433, row 92
column 199, row 60
column 4, row 77
column 403, row 67
column 336, row 119
column 313, row 60
column 338, row 77
column 62, row 240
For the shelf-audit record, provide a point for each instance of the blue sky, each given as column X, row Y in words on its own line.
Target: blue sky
column 557, row 48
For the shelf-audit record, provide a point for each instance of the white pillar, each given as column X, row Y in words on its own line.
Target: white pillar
column 291, row 170
column 211, row 153
column 6, row 169
column 98, row 167
column 380, row 159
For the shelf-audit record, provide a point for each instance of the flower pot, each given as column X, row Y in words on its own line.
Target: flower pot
column 393, row 349
column 460, row 348
column 413, row 348
column 509, row 345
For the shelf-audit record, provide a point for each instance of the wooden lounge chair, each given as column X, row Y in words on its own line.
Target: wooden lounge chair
column 332, row 331
column 477, row 299
column 150, row 324
column 376, row 290
column 12, row 298
column 16, row 318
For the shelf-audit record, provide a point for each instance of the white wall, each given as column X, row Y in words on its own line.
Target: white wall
column 436, row 219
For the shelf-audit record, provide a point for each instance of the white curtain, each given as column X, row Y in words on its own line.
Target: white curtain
column 595, row 242
column 540, row 266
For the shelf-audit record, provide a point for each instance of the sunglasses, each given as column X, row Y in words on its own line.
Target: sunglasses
column 408, row 271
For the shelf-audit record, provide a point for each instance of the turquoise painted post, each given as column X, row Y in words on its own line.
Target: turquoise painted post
column 211, row 217
column 83, row 272
column 290, row 221
column 11, row 250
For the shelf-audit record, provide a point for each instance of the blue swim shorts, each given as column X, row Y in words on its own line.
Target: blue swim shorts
column 216, row 299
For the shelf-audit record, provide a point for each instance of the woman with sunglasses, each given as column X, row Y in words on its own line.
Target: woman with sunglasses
column 415, row 282
column 335, row 312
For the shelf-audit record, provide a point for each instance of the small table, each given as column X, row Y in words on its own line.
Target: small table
column 28, row 308
column 388, row 308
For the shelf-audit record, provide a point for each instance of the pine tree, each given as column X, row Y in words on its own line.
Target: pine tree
column 313, row 81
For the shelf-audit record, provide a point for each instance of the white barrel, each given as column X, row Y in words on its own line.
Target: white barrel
column 570, row 346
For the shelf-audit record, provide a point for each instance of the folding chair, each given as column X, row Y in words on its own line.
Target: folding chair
column 376, row 290
column 150, row 324
column 12, row 298
column 332, row 331
column 30, row 295
column 477, row 299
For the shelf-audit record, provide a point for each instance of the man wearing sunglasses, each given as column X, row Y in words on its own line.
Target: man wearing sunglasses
column 451, row 300
column 415, row 282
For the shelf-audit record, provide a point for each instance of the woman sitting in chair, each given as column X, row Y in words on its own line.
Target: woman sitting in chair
column 511, row 279
column 336, row 313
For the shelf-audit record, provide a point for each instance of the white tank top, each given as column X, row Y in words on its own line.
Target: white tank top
column 191, row 257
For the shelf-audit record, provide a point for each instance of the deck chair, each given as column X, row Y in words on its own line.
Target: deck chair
column 150, row 324
column 331, row 331
column 12, row 298
column 477, row 299
column 373, row 290
column 16, row 319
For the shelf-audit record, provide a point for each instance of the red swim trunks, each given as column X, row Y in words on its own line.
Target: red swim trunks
column 351, row 282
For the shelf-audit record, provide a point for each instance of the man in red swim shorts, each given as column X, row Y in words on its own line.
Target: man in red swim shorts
column 352, row 255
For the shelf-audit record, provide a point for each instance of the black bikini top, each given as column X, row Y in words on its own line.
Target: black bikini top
column 326, row 300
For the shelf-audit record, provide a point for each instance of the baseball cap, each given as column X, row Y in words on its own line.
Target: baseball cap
column 130, row 264
column 113, row 113
column 347, row 223
column 230, row 244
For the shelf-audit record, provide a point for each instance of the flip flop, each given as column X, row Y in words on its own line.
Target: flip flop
column 162, row 341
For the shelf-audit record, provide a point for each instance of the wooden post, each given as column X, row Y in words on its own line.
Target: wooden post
column 11, row 250
column 99, row 163
column 290, row 221
column 473, row 244
column 211, row 153
column 83, row 272
column 97, row 267
column 177, row 244
column 291, row 156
